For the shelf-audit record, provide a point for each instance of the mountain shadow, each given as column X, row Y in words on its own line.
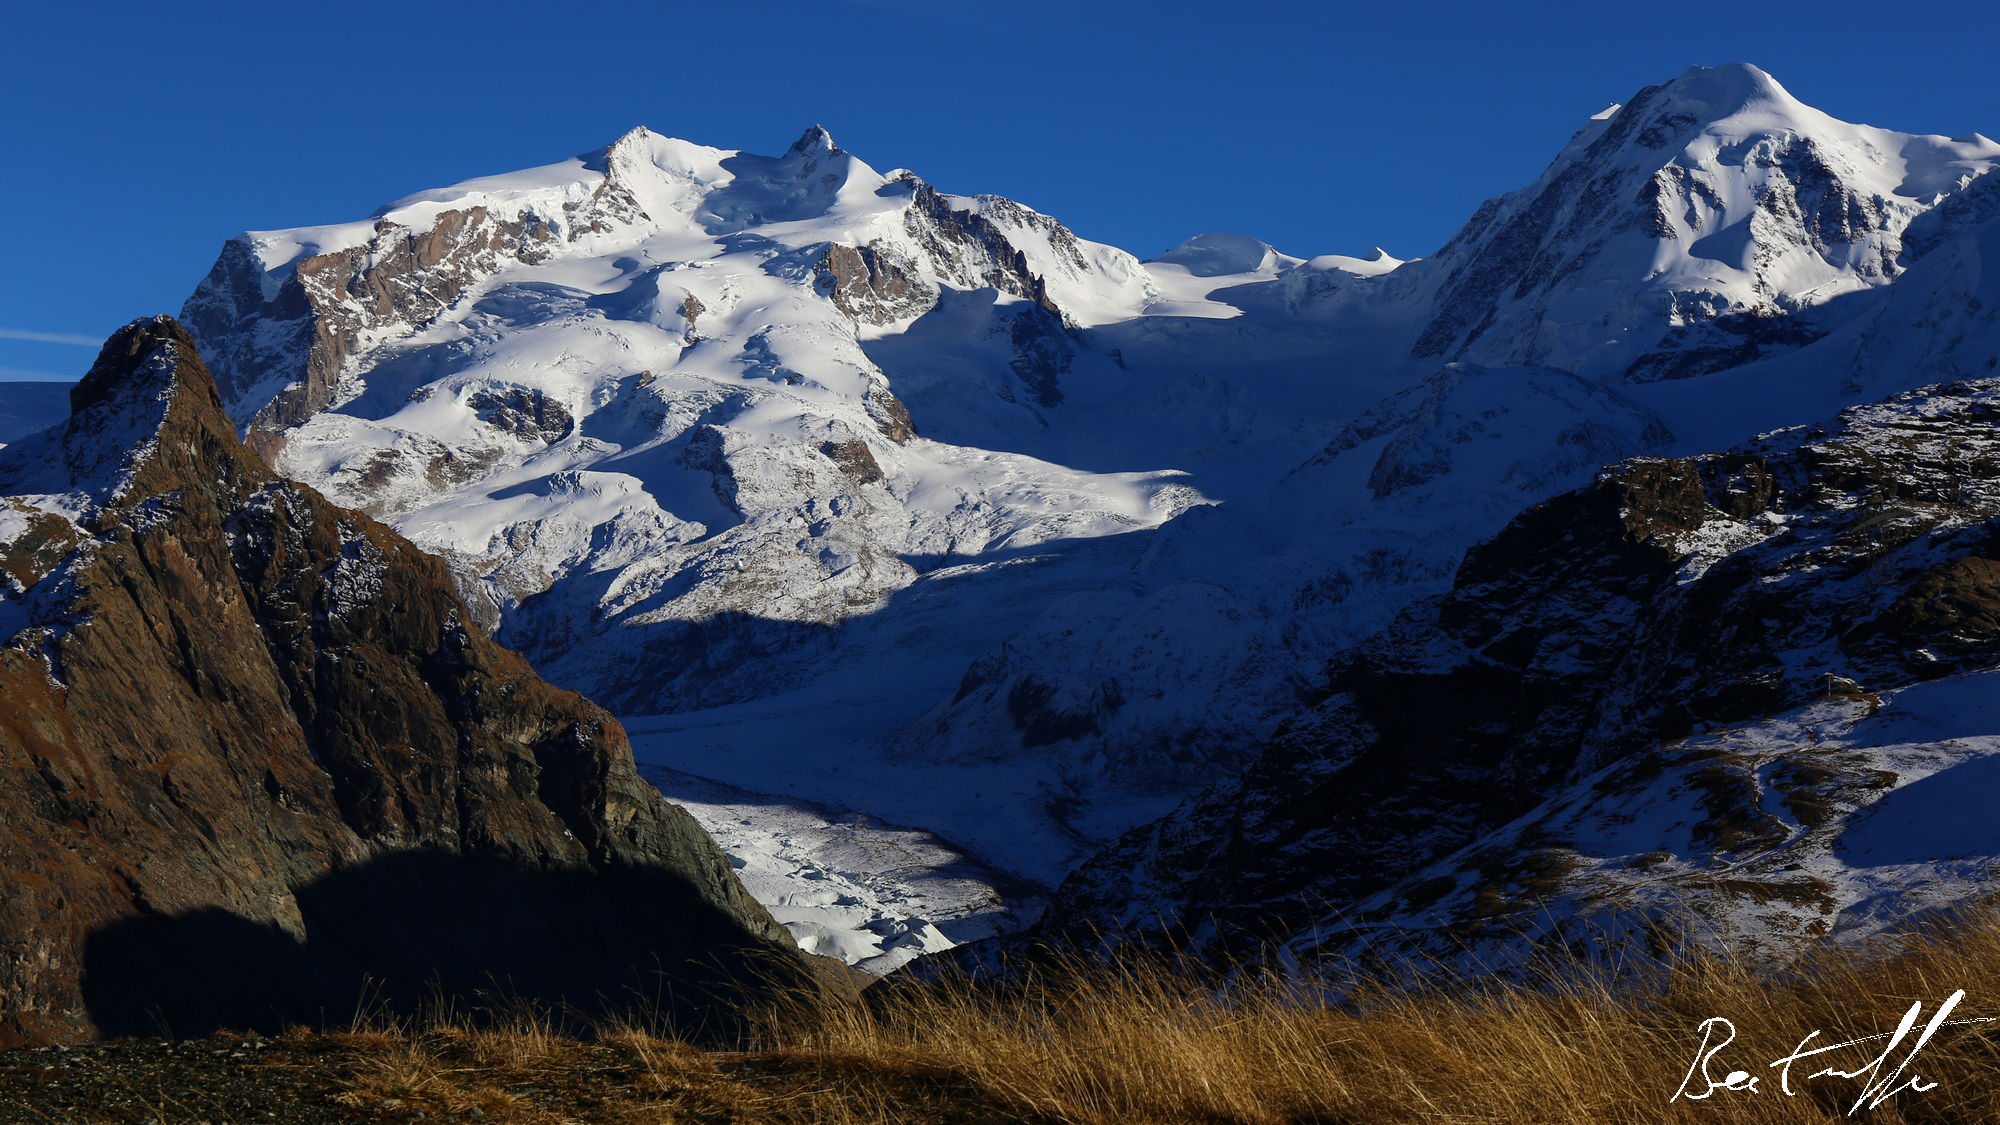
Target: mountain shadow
column 409, row 931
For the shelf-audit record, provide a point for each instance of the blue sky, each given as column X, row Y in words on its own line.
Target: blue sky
column 137, row 139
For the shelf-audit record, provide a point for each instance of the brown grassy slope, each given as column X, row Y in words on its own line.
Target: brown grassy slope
column 1150, row 1044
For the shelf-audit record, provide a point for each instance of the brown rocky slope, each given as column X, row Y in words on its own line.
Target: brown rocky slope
column 257, row 765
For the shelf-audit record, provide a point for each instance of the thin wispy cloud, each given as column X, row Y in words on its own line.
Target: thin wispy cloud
column 50, row 337
column 21, row 374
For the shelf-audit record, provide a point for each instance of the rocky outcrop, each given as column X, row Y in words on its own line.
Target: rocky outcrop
column 879, row 284
column 279, row 355
column 890, row 415
column 873, row 285
column 1043, row 351
column 256, row 762
column 524, row 413
column 1633, row 702
column 971, row 251
column 855, row 459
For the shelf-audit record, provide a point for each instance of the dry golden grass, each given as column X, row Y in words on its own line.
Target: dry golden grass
column 1148, row 1042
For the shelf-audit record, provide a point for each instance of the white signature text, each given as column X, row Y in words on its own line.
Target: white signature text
column 1883, row 1074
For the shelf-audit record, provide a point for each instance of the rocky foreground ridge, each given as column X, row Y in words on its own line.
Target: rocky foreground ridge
column 256, row 763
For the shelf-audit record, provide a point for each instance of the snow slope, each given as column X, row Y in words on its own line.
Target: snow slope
column 29, row 407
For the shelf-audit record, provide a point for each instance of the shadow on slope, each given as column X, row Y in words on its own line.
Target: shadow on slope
column 419, row 928
column 731, row 656
column 31, row 407
column 1943, row 816
column 1233, row 402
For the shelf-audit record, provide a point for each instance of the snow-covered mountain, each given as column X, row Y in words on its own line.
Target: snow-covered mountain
column 1703, row 224
column 920, row 504
column 648, row 366
column 703, row 429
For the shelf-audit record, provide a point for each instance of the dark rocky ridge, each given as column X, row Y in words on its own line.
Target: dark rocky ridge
column 977, row 249
column 252, row 752
column 1574, row 657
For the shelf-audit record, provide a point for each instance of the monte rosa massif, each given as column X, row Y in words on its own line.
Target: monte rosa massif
column 1633, row 556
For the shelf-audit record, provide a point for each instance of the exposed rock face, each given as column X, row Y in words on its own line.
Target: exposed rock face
column 252, row 751
column 1646, row 696
column 973, row 251
column 312, row 323
column 1042, row 354
column 524, row 413
column 855, row 459
column 873, row 285
column 879, row 284
column 889, row 414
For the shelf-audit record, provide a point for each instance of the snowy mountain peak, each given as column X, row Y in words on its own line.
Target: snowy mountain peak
column 1221, row 254
column 636, row 137
column 643, row 148
column 1375, row 263
column 814, row 140
column 1696, row 228
column 815, row 155
column 1717, row 92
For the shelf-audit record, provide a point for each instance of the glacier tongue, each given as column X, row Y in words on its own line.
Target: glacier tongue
column 848, row 885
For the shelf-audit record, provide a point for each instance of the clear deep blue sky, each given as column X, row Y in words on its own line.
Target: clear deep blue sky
column 136, row 139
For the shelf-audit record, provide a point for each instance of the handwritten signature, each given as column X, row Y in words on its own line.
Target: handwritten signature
column 1882, row 1076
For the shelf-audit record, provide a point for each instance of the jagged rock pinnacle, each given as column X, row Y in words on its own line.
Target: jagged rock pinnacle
column 815, row 139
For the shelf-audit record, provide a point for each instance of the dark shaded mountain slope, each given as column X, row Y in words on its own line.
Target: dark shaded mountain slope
column 255, row 759
column 1751, row 687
